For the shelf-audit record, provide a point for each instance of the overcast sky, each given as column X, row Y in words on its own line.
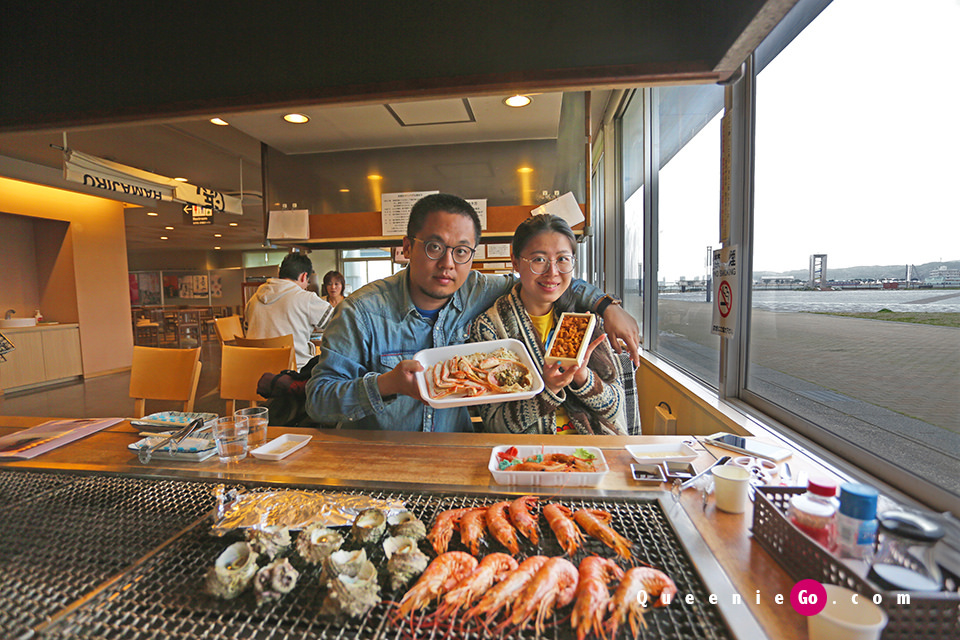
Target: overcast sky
column 858, row 147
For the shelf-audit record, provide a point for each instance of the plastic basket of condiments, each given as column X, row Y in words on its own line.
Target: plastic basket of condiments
column 927, row 615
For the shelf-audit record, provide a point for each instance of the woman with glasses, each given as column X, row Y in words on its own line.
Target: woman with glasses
column 587, row 399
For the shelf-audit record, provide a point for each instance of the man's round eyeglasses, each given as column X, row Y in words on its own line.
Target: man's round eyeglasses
column 540, row 265
column 462, row 254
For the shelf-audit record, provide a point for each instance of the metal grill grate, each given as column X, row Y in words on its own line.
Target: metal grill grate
column 164, row 597
column 75, row 532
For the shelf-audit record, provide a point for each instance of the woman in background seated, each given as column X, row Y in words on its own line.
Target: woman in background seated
column 333, row 287
column 577, row 400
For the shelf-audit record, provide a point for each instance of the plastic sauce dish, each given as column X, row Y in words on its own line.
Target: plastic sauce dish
column 280, row 448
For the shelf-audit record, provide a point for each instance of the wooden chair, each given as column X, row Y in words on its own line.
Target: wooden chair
column 241, row 368
column 270, row 343
column 228, row 328
column 188, row 329
column 164, row 374
column 146, row 333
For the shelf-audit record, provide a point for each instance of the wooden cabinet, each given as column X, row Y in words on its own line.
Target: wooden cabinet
column 43, row 355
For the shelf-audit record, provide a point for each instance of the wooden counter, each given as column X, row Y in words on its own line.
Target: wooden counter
column 345, row 457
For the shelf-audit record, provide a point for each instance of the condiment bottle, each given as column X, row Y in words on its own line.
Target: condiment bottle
column 857, row 521
column 814, row 512
column 906, row 559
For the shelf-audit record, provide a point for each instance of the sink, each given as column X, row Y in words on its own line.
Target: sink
column 17, row 322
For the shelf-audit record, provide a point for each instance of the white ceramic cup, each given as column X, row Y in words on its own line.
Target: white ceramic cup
column 731, row 483
column 841, row 619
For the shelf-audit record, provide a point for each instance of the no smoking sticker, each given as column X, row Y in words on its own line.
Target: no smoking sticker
column 725, row 291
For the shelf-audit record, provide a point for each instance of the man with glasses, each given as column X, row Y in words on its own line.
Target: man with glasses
column 365, row 375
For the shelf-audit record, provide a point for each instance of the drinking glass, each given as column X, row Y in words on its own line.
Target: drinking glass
column 257, row 420
column 230, row 434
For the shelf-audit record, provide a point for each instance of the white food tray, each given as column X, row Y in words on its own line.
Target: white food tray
column 548, row 478
column 280, row 448
column 656, row 453
column 190, row 449
column 430, row 357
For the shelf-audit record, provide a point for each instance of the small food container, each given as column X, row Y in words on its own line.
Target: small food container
column 571, row 338
column 657, row 453
column 548, row 478
column 280, row 448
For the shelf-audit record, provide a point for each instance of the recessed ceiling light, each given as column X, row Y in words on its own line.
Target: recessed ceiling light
column 374, row 176
column 296, row 118
column 344, row 190
column 164, row 238
column 169, row 228
column 233, row 224
column 524, row 170
column 152, row 213
column 180, row 179
column 517, row 101
column 218, row 235
column 216, row 247
column 219, row 122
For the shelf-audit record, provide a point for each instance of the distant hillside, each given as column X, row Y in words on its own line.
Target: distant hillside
column 898, row 271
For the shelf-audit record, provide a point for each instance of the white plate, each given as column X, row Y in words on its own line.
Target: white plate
column 655, row 453
column 548, row 478
column 430, row 357
column 280, row 448
column 190, row 450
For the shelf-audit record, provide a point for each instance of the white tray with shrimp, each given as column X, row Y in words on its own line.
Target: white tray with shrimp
column 548, row 478
column 430, row 357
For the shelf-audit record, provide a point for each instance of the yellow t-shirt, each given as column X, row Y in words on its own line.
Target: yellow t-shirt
column 544, row 325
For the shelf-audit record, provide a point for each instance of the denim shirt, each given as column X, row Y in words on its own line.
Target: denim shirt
column 377, row 327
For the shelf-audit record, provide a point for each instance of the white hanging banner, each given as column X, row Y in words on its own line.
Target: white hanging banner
column 289, row 224
column 565, row 206
column 103, row 174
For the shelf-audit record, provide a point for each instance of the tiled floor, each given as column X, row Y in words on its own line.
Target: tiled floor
column 107, row 396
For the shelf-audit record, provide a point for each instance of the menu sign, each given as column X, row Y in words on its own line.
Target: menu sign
column 395, row 211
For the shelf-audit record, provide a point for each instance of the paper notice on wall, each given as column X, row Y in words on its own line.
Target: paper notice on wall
column 480, row 206
column 395, row 211
column 498, row 250
column 289, row 224
column 725, row 291
column 565, row 206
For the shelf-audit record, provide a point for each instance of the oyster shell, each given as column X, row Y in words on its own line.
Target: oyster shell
column 404, row 560
column 407, row 524
column 274, row 580
column 369, row 526
column 270, row 541
column 232, row 572
column 352, row 595
column 316, row 542
column 343, row 562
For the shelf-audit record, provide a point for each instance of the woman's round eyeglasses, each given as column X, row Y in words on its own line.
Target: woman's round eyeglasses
column 462, row 254
column 540, row 265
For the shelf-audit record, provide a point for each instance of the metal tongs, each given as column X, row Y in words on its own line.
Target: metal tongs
column 146, row 452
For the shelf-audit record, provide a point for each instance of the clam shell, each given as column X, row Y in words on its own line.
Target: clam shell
column 407, row 524
column 232, row 571
column 352, row 595
column 369, row 526
column 270, row 541
column 316, row 542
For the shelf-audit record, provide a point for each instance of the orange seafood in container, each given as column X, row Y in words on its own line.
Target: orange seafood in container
column 571, row 339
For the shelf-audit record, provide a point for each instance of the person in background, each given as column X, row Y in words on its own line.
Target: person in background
column 283, row 306
column 365, row 376
column 588, row 399
column 333, row 287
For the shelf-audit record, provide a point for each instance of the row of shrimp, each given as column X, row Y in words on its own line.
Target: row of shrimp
column 501, row 595
column 504, row 520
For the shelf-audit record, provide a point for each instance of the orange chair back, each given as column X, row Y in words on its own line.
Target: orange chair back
column 241, row 368
column 164, row 374
column 228, row 328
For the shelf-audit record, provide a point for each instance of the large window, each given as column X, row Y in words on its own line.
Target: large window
column 856, row 263
column 631, row 145
column 361, row 266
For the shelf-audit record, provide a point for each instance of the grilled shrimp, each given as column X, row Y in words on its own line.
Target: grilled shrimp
column 551, row 588
column 493, row 568
column 503, row 594
column 638, row 588
column 500, row 527
column 442, row 529
column 560, row 519
column 440, row 576
column 472, row 529
column 523, row 520
column 592, row 594
column 596, row 523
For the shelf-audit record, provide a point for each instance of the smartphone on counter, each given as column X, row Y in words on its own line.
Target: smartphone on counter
column 748, row 446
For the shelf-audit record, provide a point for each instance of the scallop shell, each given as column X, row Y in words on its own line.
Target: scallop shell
column 369, row 526
column 404, row 560
column 270, row 541
column 274, row 580
column 232, row 572
column 407, row 524
column 352, row 595
column 316, row 542
column 344, row 562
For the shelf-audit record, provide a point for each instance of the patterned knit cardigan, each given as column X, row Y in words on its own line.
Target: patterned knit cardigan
column 595, row 408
